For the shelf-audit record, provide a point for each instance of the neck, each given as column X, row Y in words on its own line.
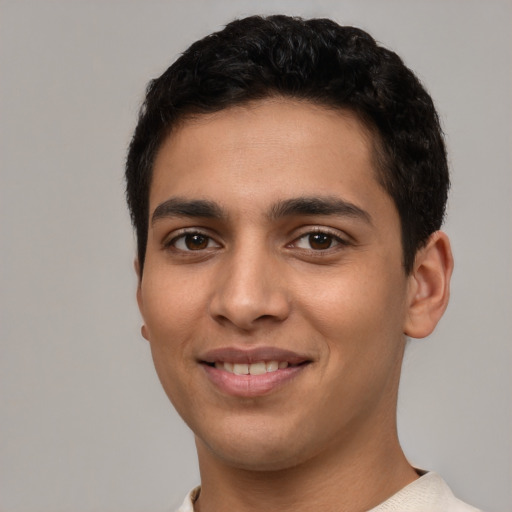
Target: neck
column 357, row 475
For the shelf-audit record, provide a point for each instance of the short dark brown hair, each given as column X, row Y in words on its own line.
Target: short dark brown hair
column 315, row 60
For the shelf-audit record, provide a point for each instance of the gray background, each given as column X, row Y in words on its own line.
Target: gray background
column 84, row 423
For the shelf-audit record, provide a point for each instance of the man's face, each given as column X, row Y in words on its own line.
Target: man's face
column 273, row 250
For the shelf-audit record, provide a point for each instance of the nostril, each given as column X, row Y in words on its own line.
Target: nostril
column 266, row 317
column 247, row 296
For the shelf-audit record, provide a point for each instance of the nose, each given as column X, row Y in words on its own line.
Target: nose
column 249, row 291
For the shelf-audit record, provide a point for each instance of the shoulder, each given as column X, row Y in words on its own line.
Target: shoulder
column 429, row 493
column 188, row 502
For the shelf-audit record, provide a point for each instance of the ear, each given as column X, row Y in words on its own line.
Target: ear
column 143, row 329
column 429, row 286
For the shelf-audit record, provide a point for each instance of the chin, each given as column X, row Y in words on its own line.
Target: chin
column 254, row 449
column 256, row 460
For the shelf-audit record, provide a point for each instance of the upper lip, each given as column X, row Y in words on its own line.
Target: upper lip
column 252, row 355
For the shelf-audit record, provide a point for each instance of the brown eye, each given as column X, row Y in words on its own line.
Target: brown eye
column 193, row 242
column 320, row 241
column 196, row 242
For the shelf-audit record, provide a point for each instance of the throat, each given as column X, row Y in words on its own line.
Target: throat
column 316, row 485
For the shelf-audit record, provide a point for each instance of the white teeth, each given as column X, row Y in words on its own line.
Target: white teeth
column 240, row 369
column 258, row 368
column 272, row 366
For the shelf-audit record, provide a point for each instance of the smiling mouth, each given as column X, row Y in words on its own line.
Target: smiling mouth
column 256, row 368
column 252, row 372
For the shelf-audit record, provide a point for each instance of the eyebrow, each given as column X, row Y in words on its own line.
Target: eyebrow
column 201, row 208
column 319, row 206
column 178, row 207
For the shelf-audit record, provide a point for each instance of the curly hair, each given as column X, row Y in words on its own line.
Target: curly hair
column 316, row 60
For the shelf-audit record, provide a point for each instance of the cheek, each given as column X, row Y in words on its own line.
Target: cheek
column 172, row 312
column 171, row 306
column 360, row 310
column 169, row 322
column 359, row 320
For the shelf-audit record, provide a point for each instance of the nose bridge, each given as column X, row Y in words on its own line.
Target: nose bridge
column 249, row 289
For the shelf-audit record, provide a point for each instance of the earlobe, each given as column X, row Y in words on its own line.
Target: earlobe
column 143, row 329
column 136, row 266
column 429, row 286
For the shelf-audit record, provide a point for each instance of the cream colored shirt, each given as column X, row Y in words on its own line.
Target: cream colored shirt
column 429, row 493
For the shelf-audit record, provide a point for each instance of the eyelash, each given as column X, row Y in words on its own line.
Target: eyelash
column 171, row 244
column 335, row 241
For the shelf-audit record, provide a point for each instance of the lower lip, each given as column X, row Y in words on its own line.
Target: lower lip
column 251, row 385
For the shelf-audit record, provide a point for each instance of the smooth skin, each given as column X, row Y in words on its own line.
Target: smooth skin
column 328, row 285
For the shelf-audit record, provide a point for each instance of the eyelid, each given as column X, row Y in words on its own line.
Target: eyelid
column 170, row 240
column 339, row 237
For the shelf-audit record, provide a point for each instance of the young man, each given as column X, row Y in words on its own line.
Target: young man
column 287, row 181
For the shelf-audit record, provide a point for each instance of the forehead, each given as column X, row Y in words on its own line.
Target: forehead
column 270, row 148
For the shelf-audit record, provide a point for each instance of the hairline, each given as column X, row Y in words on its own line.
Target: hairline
column 379, row 156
